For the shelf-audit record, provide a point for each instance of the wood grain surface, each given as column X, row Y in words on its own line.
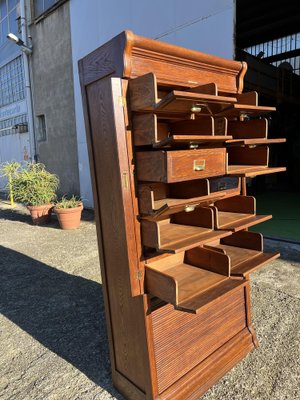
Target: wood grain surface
column 158, row 244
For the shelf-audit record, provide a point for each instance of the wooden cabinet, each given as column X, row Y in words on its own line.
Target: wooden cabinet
column 171, row 141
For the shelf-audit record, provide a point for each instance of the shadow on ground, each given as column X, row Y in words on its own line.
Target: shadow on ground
column 14, row 214
column 65, row 313
column 20, row 215
column 288, row 251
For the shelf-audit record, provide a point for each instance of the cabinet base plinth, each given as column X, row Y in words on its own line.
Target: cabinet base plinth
column 197, row 381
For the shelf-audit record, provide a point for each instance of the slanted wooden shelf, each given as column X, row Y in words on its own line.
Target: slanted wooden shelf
column 170, row 132
column 157, row 199
column 171, row 139
column 250, row 132
column 144, row 97
column 248, row 161
column 236, row 213
column 241, row 110
column 192, row 279
column 182, row 231
column 244, row 251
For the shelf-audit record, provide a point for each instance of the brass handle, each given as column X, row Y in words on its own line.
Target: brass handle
column 190, row 207
column 222, row 186
column 196, row 109
column 199, row 165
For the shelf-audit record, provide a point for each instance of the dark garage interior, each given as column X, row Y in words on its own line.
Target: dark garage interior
column 268, row 39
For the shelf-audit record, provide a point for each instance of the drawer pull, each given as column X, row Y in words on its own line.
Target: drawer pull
column 196, row 109
column 222, row 186
column 199, row 165
column 190, row 207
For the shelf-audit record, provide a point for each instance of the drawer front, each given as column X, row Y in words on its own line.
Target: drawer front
column 224, row 183
column 183, row 340
column 195, row 164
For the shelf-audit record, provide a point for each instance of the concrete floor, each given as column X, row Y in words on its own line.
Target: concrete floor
column 53, row 343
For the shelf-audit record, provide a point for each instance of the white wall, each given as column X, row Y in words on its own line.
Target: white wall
column 14, row 147
column 197, row 24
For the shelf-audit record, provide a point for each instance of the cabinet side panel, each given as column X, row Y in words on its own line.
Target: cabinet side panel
column 181, row 340
column 127, row 313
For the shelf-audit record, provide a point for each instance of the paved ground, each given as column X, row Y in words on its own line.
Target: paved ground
column 53, row 343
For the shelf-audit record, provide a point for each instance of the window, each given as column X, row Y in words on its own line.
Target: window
column 40, row 6
column 8, row 18
column 12, row 87
column 41, row 128
column 10, row 126
column 280, row 52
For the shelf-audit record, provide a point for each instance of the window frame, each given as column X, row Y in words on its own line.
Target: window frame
column 37, row 18
column 7, row 18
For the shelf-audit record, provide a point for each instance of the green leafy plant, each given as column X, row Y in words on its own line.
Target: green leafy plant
column 73, row 202
column 10, row 170
column 34, row 186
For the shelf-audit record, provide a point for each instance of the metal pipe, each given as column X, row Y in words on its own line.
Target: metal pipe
column 7, row 128
column 32, row 140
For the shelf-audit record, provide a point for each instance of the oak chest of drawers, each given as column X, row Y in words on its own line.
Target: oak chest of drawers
column 171, row 141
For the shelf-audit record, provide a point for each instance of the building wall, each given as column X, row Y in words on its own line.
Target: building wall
column 202, row 25
column 53, row 96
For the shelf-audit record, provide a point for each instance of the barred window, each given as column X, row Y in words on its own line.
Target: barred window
column 8, row 18
column 12, row 87
column 10, row 126
column 282, row 52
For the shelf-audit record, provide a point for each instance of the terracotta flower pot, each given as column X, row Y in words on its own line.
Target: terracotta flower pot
column 69, row 218
column 41, row 215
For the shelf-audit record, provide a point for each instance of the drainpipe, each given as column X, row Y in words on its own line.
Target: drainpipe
column 32, row 140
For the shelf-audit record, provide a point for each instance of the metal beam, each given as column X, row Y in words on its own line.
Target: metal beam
column 260, row 21
column 267, row 30
column 282, row 56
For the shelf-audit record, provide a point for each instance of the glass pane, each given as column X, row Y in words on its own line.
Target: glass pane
column 49, row 3
column 3, row 9
column 12, row 86
column 38, row 7
column 12, row 4
column 4, row 28
column 13, row 26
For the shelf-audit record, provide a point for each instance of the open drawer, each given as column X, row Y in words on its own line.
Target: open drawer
column 243, row 110
column 181, row 231
column 144, row 96
column 236, row 213
column 192, row 279
column 245, row 252
column 180, row 165
column 246, row 106
column 247, row 161
column 157, row 199
column 250, row 132
column 148, row 129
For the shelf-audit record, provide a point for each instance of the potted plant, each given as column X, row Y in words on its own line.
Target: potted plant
column 36, row 188
column 10, row 170
column 68, row 212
